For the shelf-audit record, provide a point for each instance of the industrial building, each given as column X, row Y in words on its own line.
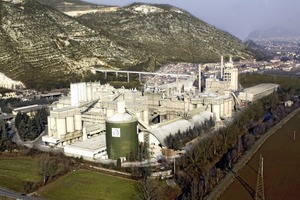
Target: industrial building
column 258, row 91
column 101, row 122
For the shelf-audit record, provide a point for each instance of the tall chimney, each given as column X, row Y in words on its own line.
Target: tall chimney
column 230, row 58
column 199, row 78
column 222, row 66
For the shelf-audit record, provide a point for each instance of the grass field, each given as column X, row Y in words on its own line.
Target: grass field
column 84, row 184
column 281, row 167
column 14, row 172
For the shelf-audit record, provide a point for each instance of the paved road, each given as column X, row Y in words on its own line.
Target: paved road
column 229, row 178
column 16, row 195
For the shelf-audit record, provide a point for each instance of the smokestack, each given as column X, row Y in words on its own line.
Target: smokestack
column 230, row 59
column 199, row 78
column 222, row 67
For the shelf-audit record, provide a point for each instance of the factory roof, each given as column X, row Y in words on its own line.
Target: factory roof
column 30, row 108
column 161, row 132
column 92, row 144
column 257, row 89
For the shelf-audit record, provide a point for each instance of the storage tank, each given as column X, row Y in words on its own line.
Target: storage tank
column 216, row 111
column 222, row 109
column 61, row 126
column 70, row 124
column 230, row 107
column 78, row 123
column 49, row 126
column 52, row 123
column 226, row 108
column 121, row 134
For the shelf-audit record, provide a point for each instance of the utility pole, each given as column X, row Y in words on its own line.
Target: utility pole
column 259, row 192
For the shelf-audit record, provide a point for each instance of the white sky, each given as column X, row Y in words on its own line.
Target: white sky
column 238, row 17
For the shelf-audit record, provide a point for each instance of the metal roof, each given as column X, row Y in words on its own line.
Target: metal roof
column 92, row 144
column 257, row 89
column 172, row 128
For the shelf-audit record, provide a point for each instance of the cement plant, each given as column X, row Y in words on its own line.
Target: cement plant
column 100, row 123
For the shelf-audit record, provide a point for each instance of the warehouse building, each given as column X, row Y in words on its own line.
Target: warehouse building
column 256, row 92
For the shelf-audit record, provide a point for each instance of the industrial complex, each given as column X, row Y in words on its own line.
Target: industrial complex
column 100, row 122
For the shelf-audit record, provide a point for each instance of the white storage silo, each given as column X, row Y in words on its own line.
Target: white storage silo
column 78, row 122
column 216, row 111
column 226, row 108
column 53, row 123
column 222, row 111
column 230, row 105
column 61, row 126
column 49, row 125
column 70, row 124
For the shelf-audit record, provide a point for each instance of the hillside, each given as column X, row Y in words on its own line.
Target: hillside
column 164, row 33
column 44, row 48
column 41, row 45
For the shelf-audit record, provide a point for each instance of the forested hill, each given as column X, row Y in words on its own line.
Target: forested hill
column 43, row 47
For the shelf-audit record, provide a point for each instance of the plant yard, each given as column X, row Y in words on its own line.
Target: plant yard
column 84, row 184
column 281, row 155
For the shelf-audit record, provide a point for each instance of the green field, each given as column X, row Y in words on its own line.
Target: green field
column 281, row 167
column 14, row 172
column 84, row 184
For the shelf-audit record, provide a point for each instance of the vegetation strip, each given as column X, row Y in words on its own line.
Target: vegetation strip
column 226, row 181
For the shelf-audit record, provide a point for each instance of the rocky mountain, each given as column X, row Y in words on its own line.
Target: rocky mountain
column 43, row 47
column 39, row 45
column 164, row 33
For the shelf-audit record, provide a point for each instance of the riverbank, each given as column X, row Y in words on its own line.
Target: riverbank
column 230, row 177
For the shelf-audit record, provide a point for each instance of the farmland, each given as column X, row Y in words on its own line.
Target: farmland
column 84, row 184
column 281, row 167
column 14, row 172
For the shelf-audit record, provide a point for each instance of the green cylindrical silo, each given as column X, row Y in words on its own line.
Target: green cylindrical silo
column 121, row 134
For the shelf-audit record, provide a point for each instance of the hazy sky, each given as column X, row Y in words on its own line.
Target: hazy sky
column 238, row 17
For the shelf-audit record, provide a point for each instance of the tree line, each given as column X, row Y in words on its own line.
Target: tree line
column 30, row 128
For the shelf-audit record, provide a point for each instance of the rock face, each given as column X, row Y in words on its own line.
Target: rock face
column 40, row 45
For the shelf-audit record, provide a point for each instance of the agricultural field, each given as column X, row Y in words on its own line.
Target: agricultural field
column 84, row 184
column 281, row 155
column 16, row 171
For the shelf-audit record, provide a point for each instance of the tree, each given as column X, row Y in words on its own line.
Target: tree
column 42, row 115
column 23, row 130
column 48, row 167
column 3, row 129
column 149, row 189
column 33, row 129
